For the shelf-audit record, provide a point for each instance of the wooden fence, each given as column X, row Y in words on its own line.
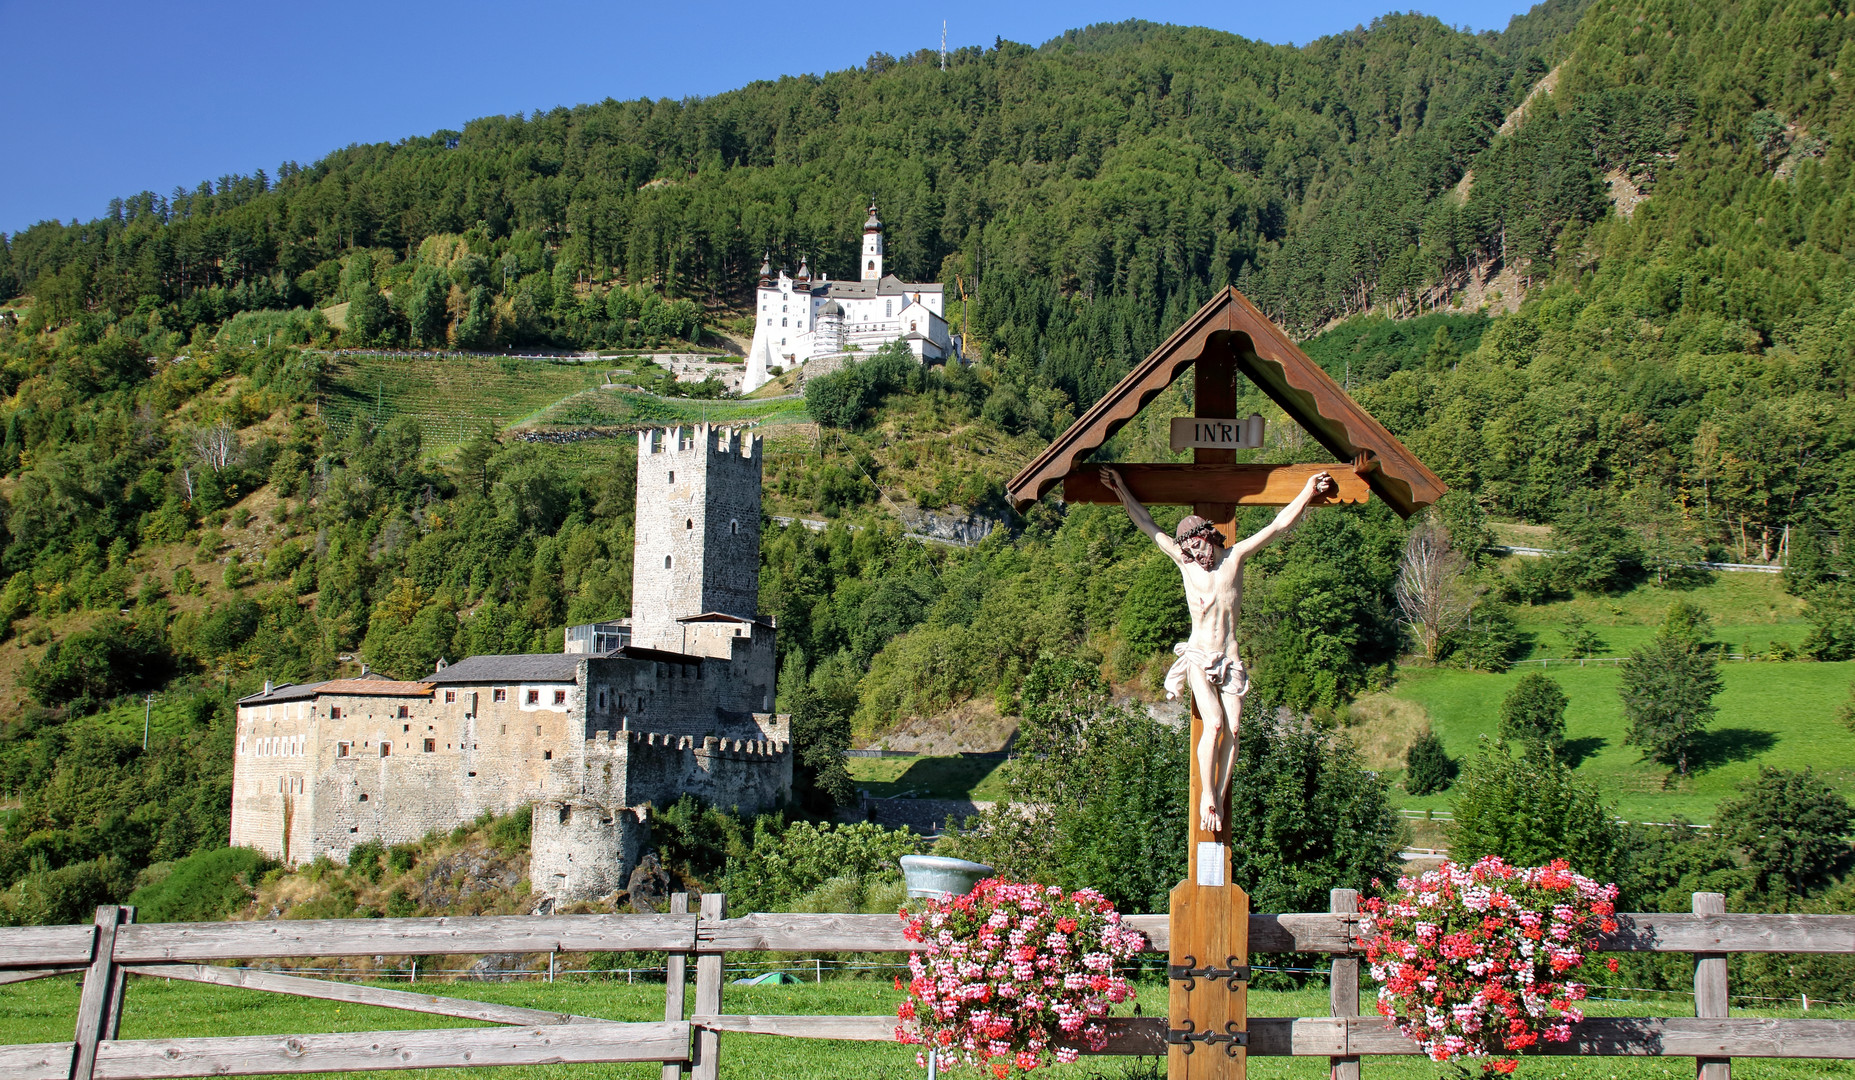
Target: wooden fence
column 115, row 947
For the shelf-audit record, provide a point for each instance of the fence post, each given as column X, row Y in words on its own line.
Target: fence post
column 673, row 976
column 1343, row 991
column 1710, row 990
column 708, row 996
column 99, row 1009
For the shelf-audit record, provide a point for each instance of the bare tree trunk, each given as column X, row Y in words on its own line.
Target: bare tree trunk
column 1431, row 590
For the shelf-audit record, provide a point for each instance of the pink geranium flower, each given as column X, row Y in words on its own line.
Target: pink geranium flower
column 1054, row 970
column 1475, row 962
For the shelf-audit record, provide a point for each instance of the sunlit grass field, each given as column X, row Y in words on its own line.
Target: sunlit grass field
column 45, row 1011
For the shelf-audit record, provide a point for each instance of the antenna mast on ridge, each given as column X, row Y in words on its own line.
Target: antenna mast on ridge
column 943, row 44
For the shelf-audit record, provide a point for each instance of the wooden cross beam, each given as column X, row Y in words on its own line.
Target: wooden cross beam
column 1226, row 485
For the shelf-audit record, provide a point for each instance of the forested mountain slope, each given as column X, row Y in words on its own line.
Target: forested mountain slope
column 1675, row 384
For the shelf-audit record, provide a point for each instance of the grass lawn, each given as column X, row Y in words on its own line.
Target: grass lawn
column 1782, row 715
column 44, row 1011
column 1746, row 608
column 958, row 777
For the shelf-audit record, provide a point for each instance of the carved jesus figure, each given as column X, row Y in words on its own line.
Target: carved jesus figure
column 1208, row 661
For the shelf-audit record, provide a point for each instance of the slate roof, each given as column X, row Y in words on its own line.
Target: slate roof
column 532, row 667
column 372, row 683
column 284, row 692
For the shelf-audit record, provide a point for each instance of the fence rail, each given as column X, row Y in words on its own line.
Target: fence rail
column 116, row 947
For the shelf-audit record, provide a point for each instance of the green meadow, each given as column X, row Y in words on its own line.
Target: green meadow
column 453, row 398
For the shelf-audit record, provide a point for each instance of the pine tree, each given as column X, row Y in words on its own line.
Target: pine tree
column 1668, row 688
column 1533, row 714
column 1428, row 768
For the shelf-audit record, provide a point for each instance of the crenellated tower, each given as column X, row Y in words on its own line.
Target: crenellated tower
column 698, row 531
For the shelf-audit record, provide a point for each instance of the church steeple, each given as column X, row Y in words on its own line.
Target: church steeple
column 872, row 246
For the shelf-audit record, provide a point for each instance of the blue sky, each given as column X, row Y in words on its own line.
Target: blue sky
column 107, row 99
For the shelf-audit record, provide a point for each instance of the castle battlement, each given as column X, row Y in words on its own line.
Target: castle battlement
column 607, row 743
column 700, row 440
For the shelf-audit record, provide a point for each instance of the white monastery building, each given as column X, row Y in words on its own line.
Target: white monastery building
column 800, row 318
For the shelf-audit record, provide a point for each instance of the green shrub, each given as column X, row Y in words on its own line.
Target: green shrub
column 510, row 834
column 364, row 860
column 1529, row 811
column 203, row 887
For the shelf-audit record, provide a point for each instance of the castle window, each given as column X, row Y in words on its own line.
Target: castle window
column 602, row 699
column 689, row 523
column 560, row 697
column 547, row 755
column 404, row 711
column 334, row 712
column 354, row 828
column 537, row 729
column 386, row 749
column 363, row 796
column 405, row 727
column 734, row 528
column 499, row 694
column 782, row 322
column 672, row 476
column 534, row 698
column 450, row 696
column 342, row 748
column 666, row 562
column 431, row 745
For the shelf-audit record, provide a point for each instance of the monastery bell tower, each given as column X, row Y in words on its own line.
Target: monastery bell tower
column 872, row 247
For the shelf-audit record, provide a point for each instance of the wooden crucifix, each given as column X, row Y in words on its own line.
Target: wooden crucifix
column 1209, row 919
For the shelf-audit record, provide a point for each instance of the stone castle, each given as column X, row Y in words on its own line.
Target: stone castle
column 633, row 714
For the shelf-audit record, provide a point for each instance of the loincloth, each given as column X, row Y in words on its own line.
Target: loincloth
column 1224, row 672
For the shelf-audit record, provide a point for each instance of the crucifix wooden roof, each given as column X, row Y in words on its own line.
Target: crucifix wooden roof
column 1231, row 327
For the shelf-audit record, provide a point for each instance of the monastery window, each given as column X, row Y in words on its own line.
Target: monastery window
column 560, row 697
column 499, row 694
column 547, row 755
column 872, row 264
column 405, row 727
column 672, row 476
column 386, row 749
column 689, row 523
column 431, row 745
column 404, row 711
column 734, row 528
column 666, row 562
column 534, row 698
column 334, row 712
column 363, row 796
column 888, row 308
column 342, row 748
column 537, row 729
column 450, row 697
column 782, row 322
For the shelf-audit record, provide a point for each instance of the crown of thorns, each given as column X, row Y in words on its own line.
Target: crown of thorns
column 1189, row 531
